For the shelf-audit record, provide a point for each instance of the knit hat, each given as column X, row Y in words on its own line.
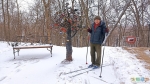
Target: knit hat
column 97, row 18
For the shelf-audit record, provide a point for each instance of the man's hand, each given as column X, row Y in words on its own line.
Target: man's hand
column 103, row 44
column 107, row 30
column 89, row 30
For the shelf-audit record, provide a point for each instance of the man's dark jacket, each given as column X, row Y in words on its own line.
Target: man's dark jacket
column 98, row 35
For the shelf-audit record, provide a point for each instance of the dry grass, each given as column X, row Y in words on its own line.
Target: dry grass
column 140, row 54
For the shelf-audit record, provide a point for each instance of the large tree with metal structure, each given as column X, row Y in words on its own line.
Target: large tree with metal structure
column 69, row 22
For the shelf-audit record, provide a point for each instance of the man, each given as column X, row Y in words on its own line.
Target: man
column 97, row 31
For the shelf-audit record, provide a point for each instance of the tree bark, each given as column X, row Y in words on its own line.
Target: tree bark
column 69, row 43
column 140, row 31
column 47, row 18
column 85, row 11
column 18, row 30
column 4, row 21
column 8, row 23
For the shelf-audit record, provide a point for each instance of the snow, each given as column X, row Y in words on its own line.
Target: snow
column 147, row 52
column 36, row 66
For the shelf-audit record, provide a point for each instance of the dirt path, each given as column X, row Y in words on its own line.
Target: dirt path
column 140, row 54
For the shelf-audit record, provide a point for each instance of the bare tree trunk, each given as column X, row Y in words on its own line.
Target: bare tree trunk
column 63, row 4
column 140, row 31
column 85, row 11
column 69, row 43
column 85, row 16
column 4, row 21
column 59, row 4
column 99, row 7
column 47, row 18
column 18, row 30
column 8, row 23
column 73, row 3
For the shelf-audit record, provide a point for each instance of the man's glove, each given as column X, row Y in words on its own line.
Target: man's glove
column 103, row 44
column 107, row 30
column 89, row 30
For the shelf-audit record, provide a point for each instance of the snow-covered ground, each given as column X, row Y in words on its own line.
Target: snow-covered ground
column 36, row 66
column 147, row 52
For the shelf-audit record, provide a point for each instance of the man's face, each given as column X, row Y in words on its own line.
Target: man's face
column 97, row 21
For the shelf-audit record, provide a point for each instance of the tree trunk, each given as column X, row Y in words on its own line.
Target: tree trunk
column 47, row 18
column 85, row 11
column 8, row 22
column 139, row 26
column 18, row 30
column 4, row 21
column 69, row 43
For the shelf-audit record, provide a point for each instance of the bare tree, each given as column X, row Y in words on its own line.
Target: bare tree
column 47, row 17
column 8, row 21
column 137, row 16
column 4, row 20
column 119, row 18
column 18, row 30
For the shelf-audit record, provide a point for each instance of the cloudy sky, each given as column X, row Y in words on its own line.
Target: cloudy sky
column 24, row 4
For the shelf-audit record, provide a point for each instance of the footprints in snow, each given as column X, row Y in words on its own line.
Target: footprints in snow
column 3, row 78
column 16, row 68
column 65, row 79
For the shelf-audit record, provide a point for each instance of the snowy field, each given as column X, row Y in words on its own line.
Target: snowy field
column 36, row 66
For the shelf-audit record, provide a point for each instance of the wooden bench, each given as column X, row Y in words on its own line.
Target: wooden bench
column 17, row 48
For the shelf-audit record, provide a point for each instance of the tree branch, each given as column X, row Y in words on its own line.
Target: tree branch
column 125, row 8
